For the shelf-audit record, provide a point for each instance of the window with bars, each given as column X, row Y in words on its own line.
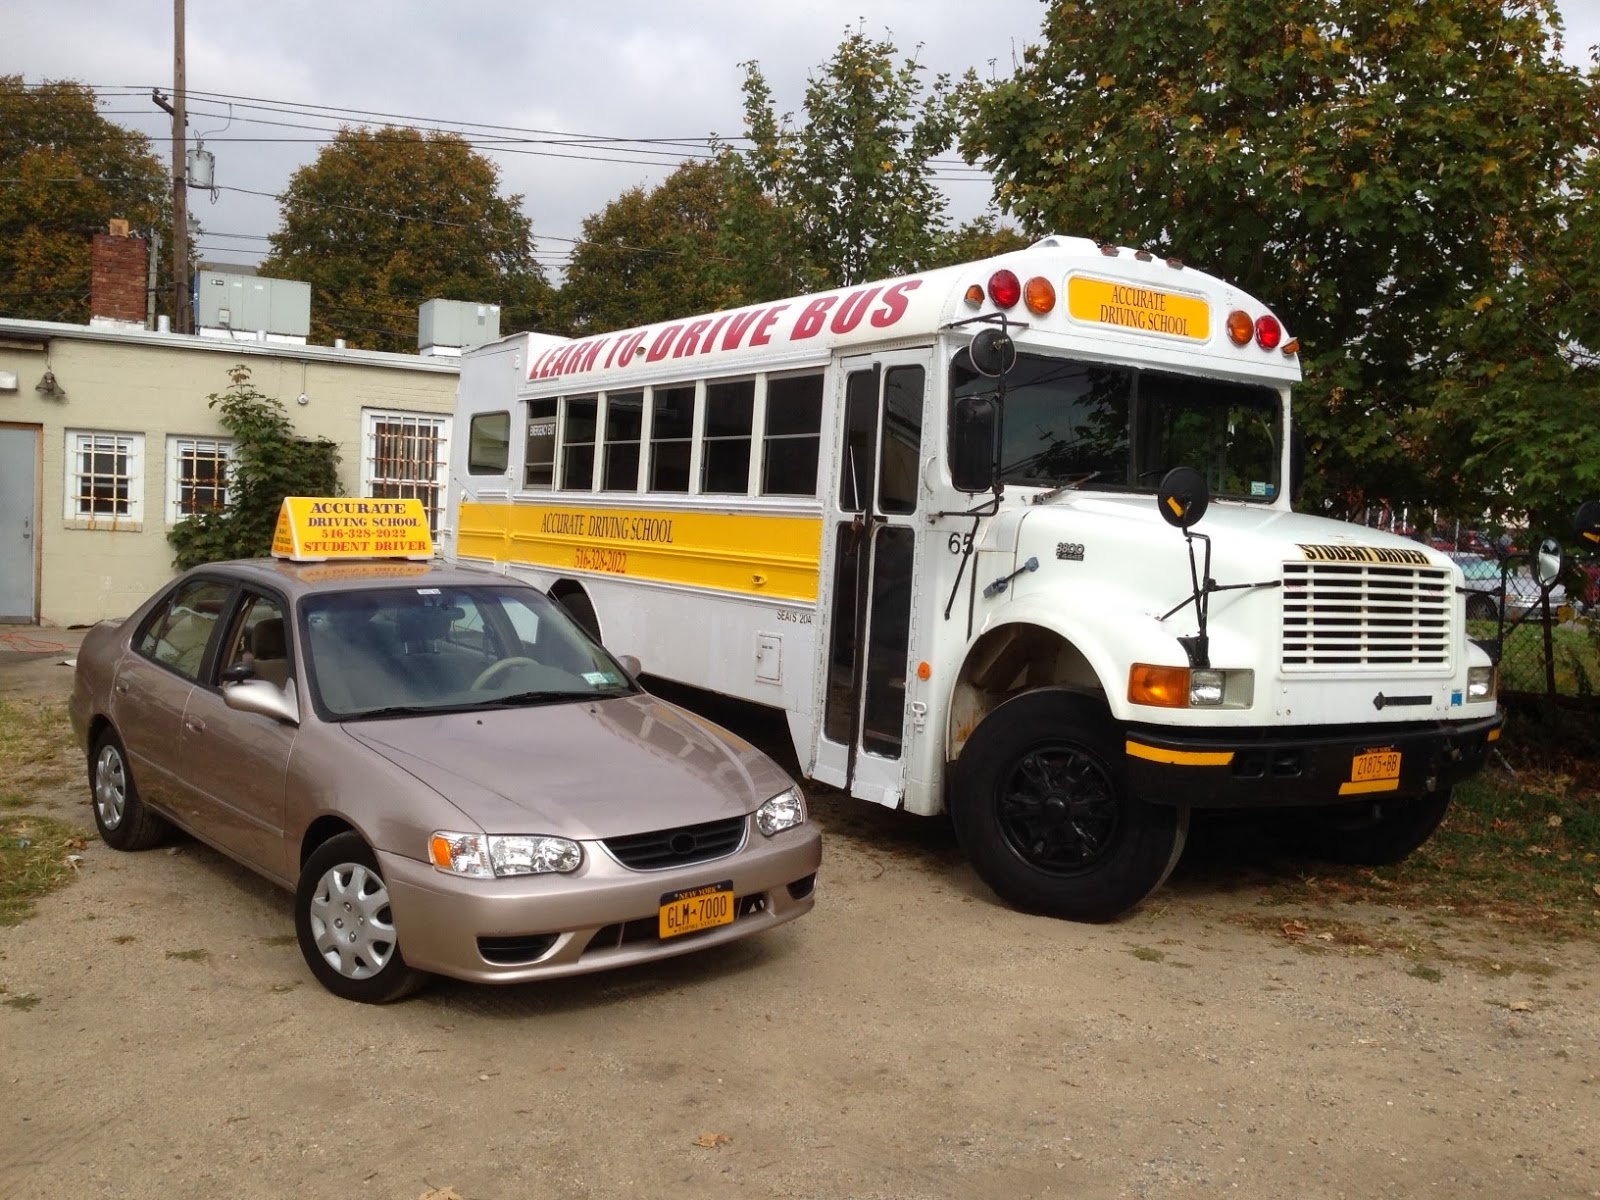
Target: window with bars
column 405, row 457
column 105, row 475
column 198, row 471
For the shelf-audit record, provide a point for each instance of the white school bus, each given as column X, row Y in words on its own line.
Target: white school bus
column 1012, row 539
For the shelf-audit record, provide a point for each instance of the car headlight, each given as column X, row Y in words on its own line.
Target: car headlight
column 484, row 856
column 783, row 811
column 1480, row 683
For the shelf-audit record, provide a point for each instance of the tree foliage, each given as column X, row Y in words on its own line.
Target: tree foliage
column 1403, row 183
column 268, row 462
column 653, row 255
column 65, row 171
column 851, row 191
column 386, row 219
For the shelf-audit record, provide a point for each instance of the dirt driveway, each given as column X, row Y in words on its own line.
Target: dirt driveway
column 910, row 1038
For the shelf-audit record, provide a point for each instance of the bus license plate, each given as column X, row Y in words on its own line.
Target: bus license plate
column 698, row 908
column 1374, row 766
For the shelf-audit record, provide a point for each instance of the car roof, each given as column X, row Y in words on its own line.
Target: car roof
column 299, row 579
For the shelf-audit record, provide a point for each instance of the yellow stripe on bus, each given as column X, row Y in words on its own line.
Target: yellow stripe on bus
column 1182, row 758
column 1369, row 785
column 751, row 553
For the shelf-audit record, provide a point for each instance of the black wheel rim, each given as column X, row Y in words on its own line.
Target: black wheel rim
column 1058, row 809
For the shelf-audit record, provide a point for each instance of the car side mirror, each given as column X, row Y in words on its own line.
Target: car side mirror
column 630, row 664
column 1547, row 562
column 264, row 699
column 975, row 429
column 238, row 673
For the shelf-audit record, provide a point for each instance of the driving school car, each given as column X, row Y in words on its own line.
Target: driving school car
column 447, row 772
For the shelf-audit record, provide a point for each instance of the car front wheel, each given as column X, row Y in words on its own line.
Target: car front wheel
column 345, row 927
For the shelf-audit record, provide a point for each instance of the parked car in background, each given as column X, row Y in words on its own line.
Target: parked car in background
column 446, row 771
column 1482, row 579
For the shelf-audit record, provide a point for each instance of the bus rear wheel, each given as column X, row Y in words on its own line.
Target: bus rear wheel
column 1042, row 808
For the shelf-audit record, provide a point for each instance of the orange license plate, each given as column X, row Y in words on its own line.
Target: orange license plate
column 1375, row 765
column 694, row 909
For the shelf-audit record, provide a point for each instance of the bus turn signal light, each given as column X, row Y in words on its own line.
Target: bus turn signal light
column 1240, row 327
column 1159, row 687
column 1039, row 295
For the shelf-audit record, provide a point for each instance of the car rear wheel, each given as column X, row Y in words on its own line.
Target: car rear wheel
column 1370, row 834
column 1044, row 811
column 121, row 817
column 1481, row 608
column 345, row 928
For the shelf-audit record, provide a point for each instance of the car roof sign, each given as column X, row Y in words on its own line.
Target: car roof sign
column 320, row 528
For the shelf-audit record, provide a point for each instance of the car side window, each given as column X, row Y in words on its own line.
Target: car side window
column 259, row 640
column 177, row 633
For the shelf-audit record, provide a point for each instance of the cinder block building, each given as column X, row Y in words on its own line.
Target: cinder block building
column 107, row 438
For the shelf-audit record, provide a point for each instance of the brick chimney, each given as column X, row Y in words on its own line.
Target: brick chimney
column 117, row 278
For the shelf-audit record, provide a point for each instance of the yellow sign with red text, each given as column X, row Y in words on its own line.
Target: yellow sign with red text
column 319, row 528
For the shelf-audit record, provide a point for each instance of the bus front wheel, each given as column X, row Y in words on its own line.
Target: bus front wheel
column 1043, row 810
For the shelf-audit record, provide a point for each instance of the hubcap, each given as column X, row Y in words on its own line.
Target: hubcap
column 1058, row 809
column 110, row 787
column 350, row 921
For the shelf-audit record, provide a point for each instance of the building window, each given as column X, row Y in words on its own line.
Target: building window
column 197, row 476
column 794, row 424
column 105, row 475
column 406, row 457
column 730, row 408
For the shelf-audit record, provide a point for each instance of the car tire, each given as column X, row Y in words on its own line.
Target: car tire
column 344, row 926
column 119, row 814
column 1043, row 810
column 1369, row 834
column 1482, row 608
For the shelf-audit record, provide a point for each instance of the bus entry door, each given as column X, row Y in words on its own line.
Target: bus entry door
column 869, row 562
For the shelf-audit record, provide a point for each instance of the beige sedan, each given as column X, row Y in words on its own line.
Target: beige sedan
column 447, row 772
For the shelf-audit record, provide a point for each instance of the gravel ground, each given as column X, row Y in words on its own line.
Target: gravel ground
column 160, row 1037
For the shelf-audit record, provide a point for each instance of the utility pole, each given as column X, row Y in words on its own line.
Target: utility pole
column 180, row 168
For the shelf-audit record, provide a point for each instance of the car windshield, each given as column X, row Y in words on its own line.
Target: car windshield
column 409, row 650
column 1120, row 429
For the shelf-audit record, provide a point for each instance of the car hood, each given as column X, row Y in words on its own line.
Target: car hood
column 584, row 770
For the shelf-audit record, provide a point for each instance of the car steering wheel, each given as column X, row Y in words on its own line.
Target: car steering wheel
column 494, row 670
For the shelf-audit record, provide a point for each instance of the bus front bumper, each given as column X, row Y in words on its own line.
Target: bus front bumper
column 1320, row 765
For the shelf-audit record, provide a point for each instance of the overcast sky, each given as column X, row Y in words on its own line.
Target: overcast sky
column 615, row 69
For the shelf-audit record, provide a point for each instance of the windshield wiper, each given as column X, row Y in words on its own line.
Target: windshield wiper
column 521, row 699
column 404, row 710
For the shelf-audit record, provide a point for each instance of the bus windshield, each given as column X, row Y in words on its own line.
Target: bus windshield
column 1067, row 421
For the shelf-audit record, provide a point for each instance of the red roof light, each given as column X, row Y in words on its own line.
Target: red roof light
column 1004, row 289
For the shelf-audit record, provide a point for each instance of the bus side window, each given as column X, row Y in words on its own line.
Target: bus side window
column 671, row 438
column 489, row 443
column 539, row 465
column 730, row 411
column 624, row 429
column 793, row 436
column 577, row 444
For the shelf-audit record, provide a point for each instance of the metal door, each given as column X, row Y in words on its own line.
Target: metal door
column 869, row 563
column 19, row 520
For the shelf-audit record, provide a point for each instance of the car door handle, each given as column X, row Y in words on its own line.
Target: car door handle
column 194, row 724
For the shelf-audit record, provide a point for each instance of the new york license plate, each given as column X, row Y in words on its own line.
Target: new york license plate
column 693, row 909
column 1373, row 771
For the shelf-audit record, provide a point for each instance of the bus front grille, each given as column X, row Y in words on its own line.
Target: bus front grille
column 1344, row 614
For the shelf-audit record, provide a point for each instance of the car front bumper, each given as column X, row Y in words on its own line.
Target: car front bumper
column 602, row 916
column 1218, row 769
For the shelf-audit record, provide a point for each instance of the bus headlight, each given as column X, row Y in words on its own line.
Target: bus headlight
column 1480, row 683
column 1190, row 687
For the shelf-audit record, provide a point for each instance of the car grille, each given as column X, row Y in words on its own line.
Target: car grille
column 678, row 847
column 1365, row 614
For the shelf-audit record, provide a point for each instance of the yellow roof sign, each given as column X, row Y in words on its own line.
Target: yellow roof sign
column 318, row 528
column 1150, row 310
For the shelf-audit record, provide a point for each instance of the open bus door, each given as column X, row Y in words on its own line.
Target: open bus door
column 869, row 570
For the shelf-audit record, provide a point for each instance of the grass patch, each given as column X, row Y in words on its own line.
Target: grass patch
column 279, row 939
column 189, row 955
column 1146, row 954
column 36, row 748
column 21, row 1003
column 1575, row 650
column 1427, row 973
column 33, row 862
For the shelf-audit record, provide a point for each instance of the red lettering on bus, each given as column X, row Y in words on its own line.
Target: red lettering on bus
column 663, row 343
column 763, row 333
column 853, row 309
column 629, row 346
column 690, row 338
column 592, row 354
column 711, row 337
column 895, row 303
column 533, row 370
column 738, row 325
column 809, row 323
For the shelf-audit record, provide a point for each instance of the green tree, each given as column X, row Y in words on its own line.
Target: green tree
column 851, row 191
column 653, row 255
column 386, row 219
column 269, row 461
column 65, row 171
column 981, row 237
column 1382, row 172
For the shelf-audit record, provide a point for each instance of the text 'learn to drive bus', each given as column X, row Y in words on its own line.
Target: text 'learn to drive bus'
column 1012, row 539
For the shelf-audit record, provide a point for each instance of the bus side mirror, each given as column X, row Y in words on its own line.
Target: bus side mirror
column 974, row 434
column 1183, row 497
column 1586, row 524
column 1547, row 563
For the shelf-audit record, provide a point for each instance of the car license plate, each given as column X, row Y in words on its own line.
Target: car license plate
column 1373, row 771
column 693, row 909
